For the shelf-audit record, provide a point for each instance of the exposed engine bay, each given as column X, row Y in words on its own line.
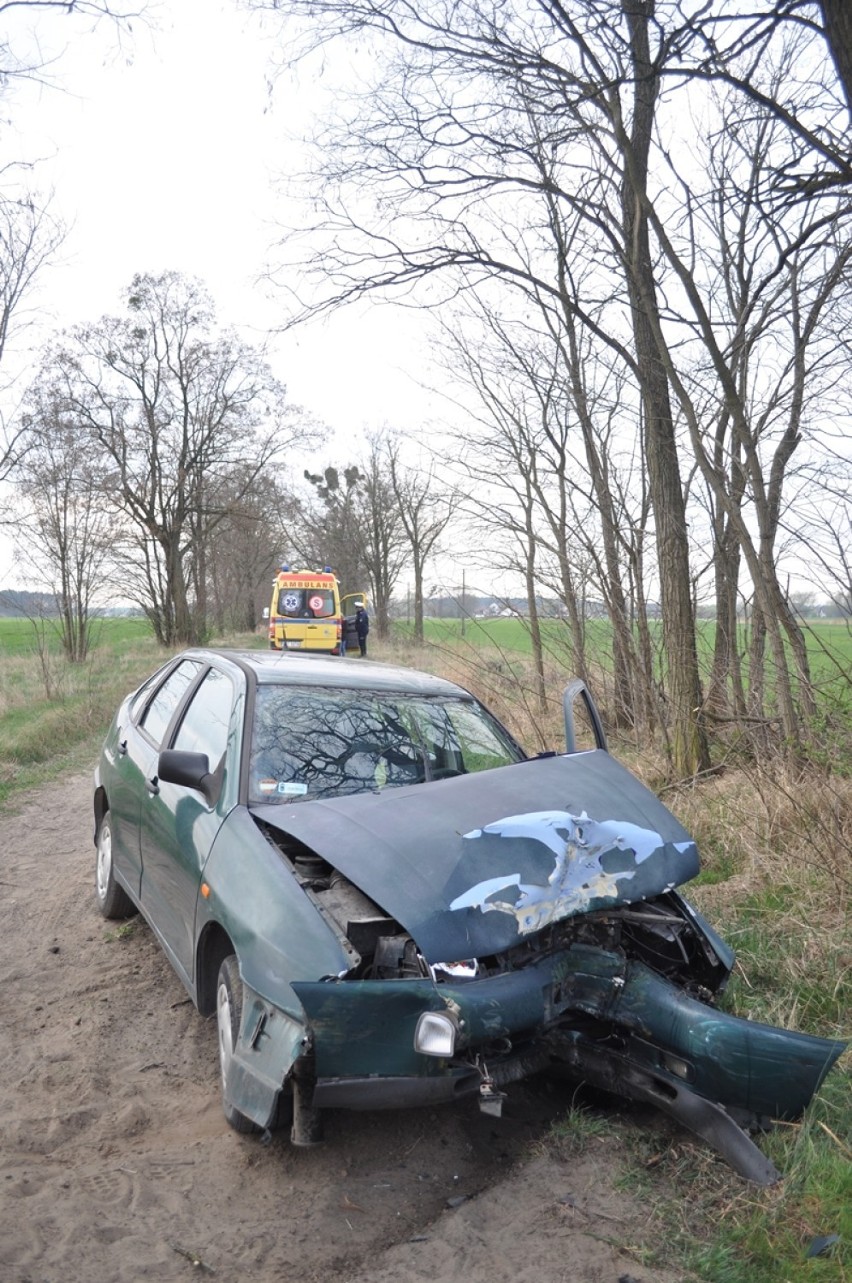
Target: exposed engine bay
column 660, row 932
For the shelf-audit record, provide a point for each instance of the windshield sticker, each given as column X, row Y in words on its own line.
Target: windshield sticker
column 267, row 786
column 290, row 788
column 291, row 601
column 589, row 859
column 316, row 603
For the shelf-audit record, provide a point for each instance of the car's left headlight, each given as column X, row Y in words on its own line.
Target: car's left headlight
column 435, row 1034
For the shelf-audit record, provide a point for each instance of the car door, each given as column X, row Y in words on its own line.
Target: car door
column 179, row 824
column 133, row 759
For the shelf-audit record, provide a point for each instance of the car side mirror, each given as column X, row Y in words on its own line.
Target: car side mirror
column 266, row 612
column 192, row 770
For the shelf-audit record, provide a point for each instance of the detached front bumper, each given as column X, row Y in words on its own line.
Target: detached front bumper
column 605, row 1019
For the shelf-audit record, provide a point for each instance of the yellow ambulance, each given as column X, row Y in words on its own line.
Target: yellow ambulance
column 306, row 613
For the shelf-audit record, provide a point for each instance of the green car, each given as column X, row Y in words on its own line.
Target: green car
column 386, row 903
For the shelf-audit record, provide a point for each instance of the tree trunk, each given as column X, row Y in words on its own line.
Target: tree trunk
column 837, row 24
column 576, row 622
column 535, row 622
column 418, row 596
column 689, row 744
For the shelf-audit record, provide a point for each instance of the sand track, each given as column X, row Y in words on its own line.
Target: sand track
column 116, row 1162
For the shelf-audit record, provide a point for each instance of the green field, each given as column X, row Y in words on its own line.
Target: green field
column 53, row 714
column 829, row 641
column 28, row 637
column 831, row 636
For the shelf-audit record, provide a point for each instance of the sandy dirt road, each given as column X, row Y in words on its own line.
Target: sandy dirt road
column 116, row 1162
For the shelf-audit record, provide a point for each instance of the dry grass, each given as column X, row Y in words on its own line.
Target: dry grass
column 768, row 825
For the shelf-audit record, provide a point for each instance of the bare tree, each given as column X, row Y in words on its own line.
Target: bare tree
column 485, row 170
column 384, row 541
column 17, row 64
column 837, row 26
column 425, row 511
column 29, row 238
column 244, row 551
column 326, row 530
column 541, row 145
column 549, row 441
column 731, row 48
column 174, row 410
column 65, row 531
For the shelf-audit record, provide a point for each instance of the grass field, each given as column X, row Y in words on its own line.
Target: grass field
column 24, row 636
column 829, row 641
column 829, row 648
column 53, row 713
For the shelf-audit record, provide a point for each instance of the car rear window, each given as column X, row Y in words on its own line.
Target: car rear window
column 310, row 742
column 306, row 603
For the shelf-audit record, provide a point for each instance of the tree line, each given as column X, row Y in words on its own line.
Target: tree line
column 154, row 461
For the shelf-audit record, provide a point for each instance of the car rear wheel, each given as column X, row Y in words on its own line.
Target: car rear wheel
column 229, row 1010
column 113, row 900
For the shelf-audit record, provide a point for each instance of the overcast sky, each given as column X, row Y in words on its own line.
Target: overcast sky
column 163, row 153
column 166, row 150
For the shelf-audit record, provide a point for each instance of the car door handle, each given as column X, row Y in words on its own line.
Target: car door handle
column 122, row 748
column 153, row 786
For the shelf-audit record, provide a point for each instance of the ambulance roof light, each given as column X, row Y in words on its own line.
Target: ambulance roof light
column 285, row 566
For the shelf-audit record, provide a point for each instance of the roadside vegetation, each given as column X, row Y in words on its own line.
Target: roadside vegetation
column 776, row 845
column 776, row 881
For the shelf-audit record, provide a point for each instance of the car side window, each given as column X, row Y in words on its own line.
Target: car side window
column 477, row 738
column 204, row 725
column 140, row 699
column 155, row 720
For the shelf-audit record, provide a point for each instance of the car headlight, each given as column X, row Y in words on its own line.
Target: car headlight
column 435, row 1034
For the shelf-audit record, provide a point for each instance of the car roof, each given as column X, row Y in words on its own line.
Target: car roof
column 281, row 667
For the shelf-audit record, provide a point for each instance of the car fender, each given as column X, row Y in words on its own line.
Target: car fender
column 277, row 933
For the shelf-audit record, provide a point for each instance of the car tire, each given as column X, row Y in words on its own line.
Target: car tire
column 229, row 1011
column 113, row 900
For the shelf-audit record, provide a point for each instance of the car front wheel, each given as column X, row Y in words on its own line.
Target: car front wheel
column 229, row 1010
column 113, row 900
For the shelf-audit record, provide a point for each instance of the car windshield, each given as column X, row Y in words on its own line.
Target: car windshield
column 310, row 742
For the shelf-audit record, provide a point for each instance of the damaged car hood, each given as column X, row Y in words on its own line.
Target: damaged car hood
column 471, row 866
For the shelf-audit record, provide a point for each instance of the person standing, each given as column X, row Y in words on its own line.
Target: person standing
column 362, row 627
